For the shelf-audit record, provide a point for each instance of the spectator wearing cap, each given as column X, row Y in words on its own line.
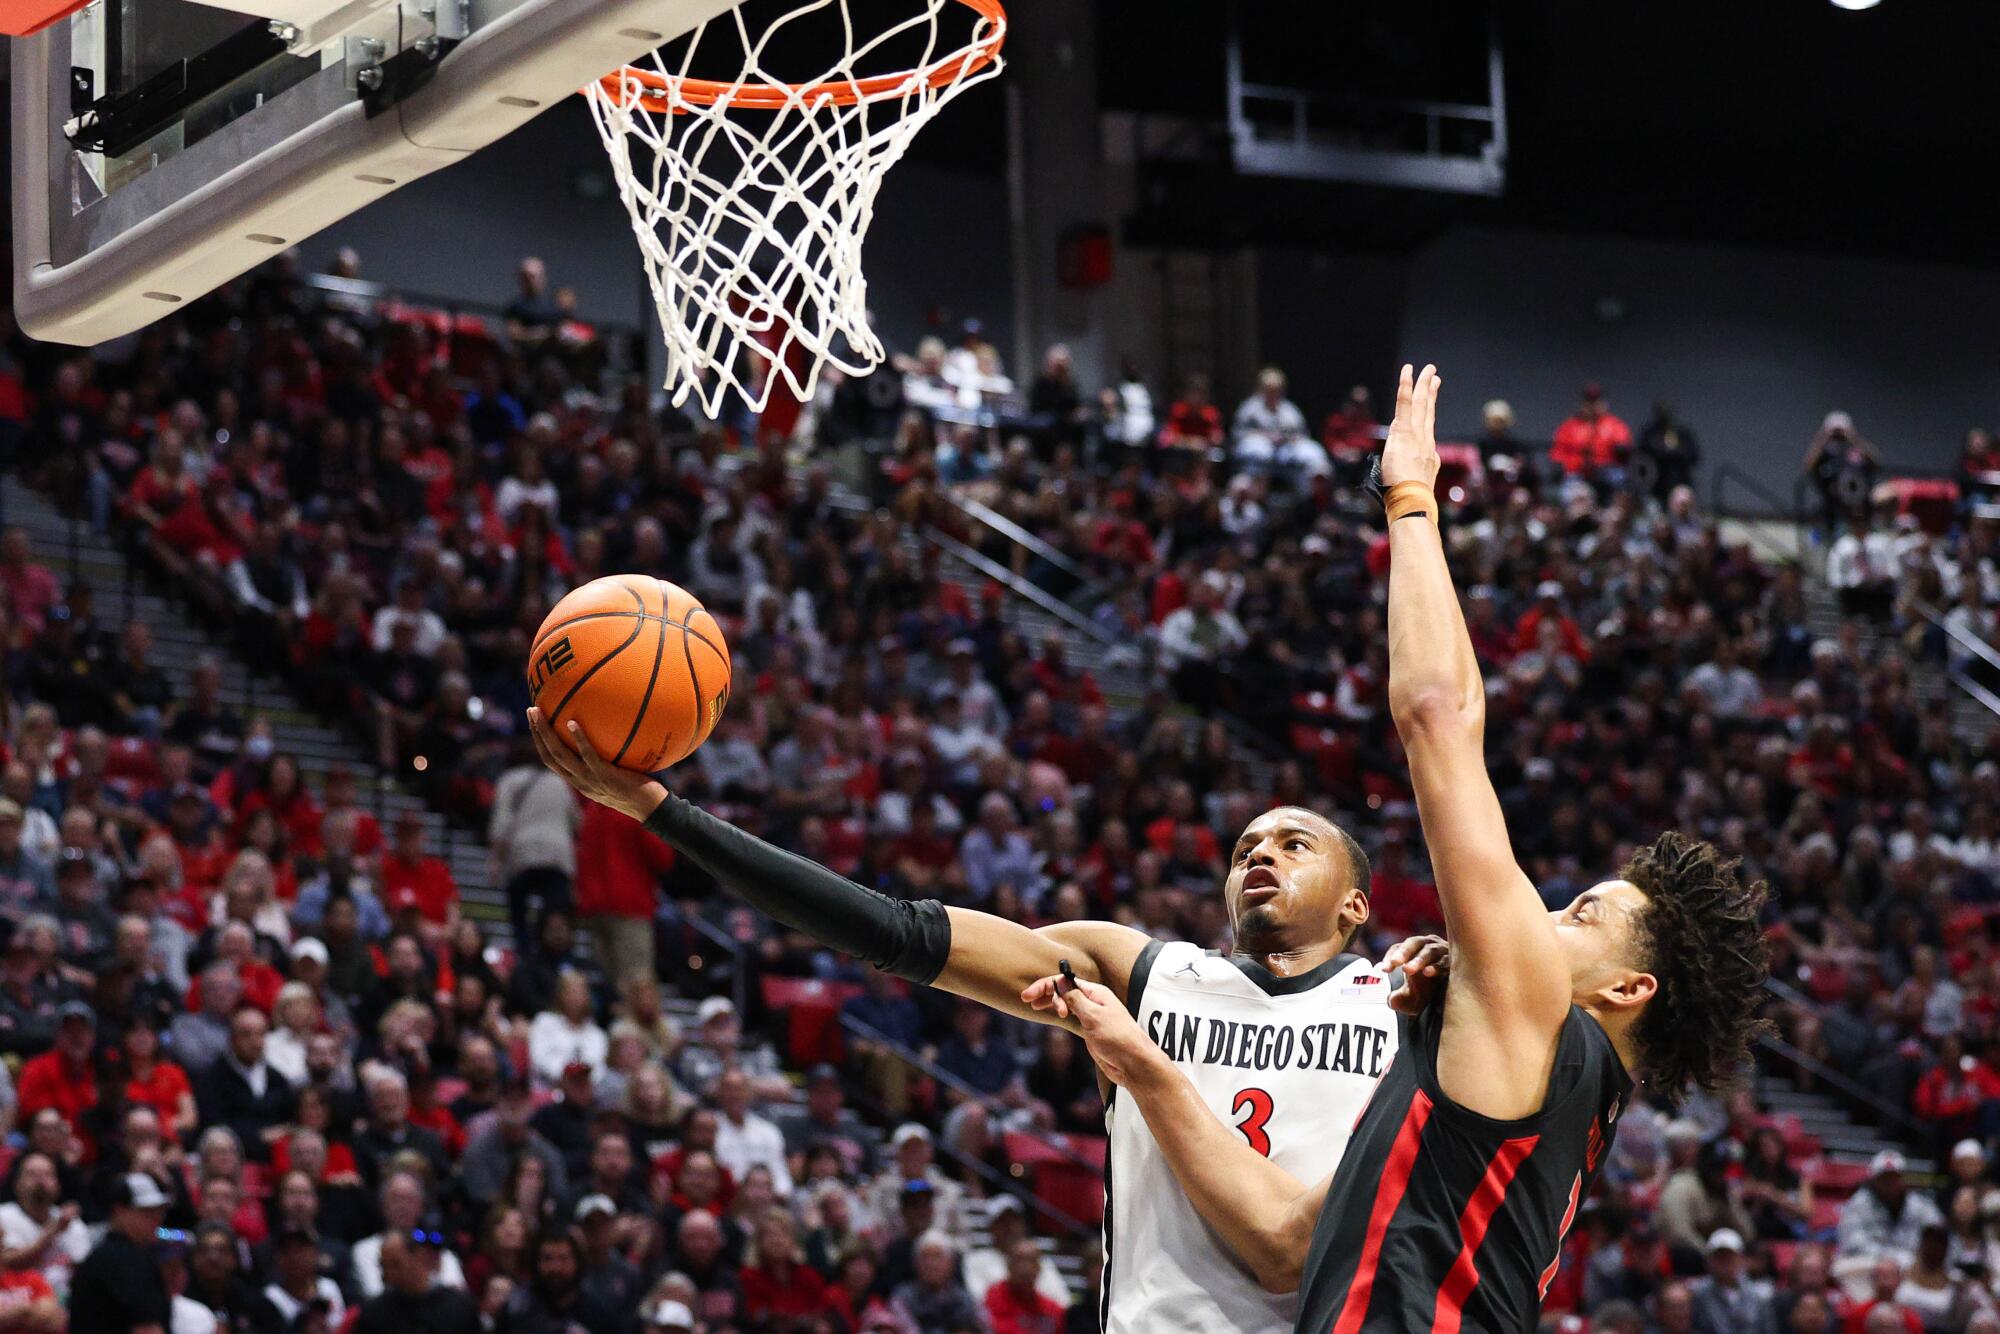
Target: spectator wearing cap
column 117, row 1289
column 27, row 883
column 1592, row 440
column 610, row 1282
column 669, row 1317
column 986, row 1267
column 1726, row 1300
column 619, row 865
column 567, row 1033
column 64, row 1077
column 743, row 1139
column 241, row 1090
column 933, row 1297
column 411, row 1293
column 38, row 1229
column 86, row 924
column 532, row 830
column 979, row 702
column 717, row 1045
column 402, row 1202
column 1883, row 1219
column 913, row 1152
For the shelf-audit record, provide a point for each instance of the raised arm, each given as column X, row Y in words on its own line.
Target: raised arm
column 1510, row 990
column 972, row 954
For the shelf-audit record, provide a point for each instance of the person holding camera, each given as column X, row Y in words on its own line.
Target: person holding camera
column 1843, row 467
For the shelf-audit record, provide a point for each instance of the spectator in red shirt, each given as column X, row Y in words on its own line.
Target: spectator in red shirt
column 1548, row 606
column 29, row 588
column 63, row 1077
column 778, row 1285
column 153, row 1081
column 618, row 870
column 1350, row 430
column 1956, row 1091
column 1016, row 1306
column 1592, row 439
column 1193, row 422
column 339, row 795
column 407, row 867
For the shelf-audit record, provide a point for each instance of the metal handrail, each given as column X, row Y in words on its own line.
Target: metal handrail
column 1021, row 537
column 1978, row 648
column 932, row 1070
column 999, row 1182
column 729, row 945
column 1818, row 1069
column 1018, row 586
column 1726, row 473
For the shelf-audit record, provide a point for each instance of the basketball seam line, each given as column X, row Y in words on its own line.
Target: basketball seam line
column 642, row 615
column 645, row 700
column 599, row 664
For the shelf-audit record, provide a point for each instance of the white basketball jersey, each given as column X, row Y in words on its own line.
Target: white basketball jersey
column 1290, row 1062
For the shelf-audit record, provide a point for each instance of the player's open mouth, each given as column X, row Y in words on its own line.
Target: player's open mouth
column 1261, row 878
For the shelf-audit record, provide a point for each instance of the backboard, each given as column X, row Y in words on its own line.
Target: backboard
column 162, row 147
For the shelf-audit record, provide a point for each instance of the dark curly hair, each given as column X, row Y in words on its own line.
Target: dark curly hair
column 1701, row 935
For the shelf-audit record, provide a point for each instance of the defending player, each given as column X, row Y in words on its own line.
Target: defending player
column 1286, row 1039
column 1465, row 1173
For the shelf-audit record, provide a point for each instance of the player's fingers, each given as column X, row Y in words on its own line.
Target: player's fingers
column 1403, row 389
column 553, row 755
column 586, row 753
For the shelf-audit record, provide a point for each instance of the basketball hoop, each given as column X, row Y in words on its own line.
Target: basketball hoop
column 751, row 197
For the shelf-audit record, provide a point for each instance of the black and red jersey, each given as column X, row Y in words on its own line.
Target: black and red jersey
column 1444, row 1220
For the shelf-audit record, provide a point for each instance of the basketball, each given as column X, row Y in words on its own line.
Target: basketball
column 639, row 663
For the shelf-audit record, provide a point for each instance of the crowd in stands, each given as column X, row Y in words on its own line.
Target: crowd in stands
column 256, row 1042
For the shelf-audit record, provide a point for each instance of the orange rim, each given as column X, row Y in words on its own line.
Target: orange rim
column 664, row 91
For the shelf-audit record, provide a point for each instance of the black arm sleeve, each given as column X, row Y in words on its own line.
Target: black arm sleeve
column 909, row 939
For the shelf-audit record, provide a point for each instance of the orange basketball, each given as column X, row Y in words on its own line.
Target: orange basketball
column 639, row 663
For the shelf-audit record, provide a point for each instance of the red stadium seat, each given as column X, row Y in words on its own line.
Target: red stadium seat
column 811, row 1008
column 1825, row 1214
column 1836, row 1181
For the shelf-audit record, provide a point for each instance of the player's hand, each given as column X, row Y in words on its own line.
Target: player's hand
column 1410, row 454
column 1426, row 963
column 1121, row 1049
column 605, row 783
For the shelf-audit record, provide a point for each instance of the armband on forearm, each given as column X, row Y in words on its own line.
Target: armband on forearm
column 909, row 938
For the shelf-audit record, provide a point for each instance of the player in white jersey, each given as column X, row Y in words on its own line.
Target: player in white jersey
column 1290, row 1062
column 1297, row 892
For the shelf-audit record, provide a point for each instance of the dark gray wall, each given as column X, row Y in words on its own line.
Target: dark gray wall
column 1330, row 320
column 1753, row 348
column 938, row 244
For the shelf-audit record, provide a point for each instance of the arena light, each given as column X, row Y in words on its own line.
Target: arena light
column 1856, row 4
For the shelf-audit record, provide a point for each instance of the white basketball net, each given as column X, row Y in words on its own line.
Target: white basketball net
column 751, row 198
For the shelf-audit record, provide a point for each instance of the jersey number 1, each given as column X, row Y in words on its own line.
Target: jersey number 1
column 1254, row 1105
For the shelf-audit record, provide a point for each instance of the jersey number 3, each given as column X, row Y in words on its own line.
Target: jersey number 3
column 1254, row 1106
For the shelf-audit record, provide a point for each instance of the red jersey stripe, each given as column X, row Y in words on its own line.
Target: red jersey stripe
column 1388, row 1196
column 1479, row 1210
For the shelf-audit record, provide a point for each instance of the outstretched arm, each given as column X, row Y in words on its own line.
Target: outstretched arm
column 1511, row 990
column 1263, row 1212
column 973, row 954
